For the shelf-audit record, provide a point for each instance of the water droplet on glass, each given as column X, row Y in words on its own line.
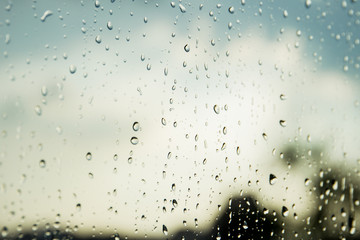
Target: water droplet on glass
column 98, row 39
column 88, row 156
column 285, row 13
column 187, row 48
column 44, row 91
column 72, row 69
column 42, row 163
column 38, row 110
column 130, row 160
column 136, row 126
column 134, row 140
column 282, row 97
column 78, row 207
column 46, row 14
column 238, row 150
column 97, row 3
column 145, row 19
column 4, row 232
column 163, row 121
column 307, row 182
column 172, row 4
column 308, row 3
column 116, row 157
column 265, row 136
column 182, row 8
column 285, row 211
column 174, row 202
column 216, row 109
column 109, row 25
column 231, row 10
column 282, row 123
column 90, row 175
column 272, row 179
column 165, row 230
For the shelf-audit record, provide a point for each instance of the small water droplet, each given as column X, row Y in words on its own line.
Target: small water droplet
column 216, row 109
column 97, row 3
column 46, row 14
column 282, row 123
column 231, row 9
column 134, row 140
column 187, row 48
column 88, row 156
column 173, row 187
column 42, row 163
column 165, row 230
column 4, row 232
column 204, row 161
column 285, row 211
column 38, row 110
column 116, row 157
column 163, row 121
column 285, row 13
column 272, row 179
column 109, row 25
column 90, row 175
column 136, row 126
column 44, row 91
column 174, row 202
column 282, row 97
column 182, row 8
column 308, row 3
column 265, row 136
column 72, row 69
column 172, row 4
column 145, row 19
column 78, row 207
column 130, row 160
column 224, row 130
column 98, row 39
column 238, row 150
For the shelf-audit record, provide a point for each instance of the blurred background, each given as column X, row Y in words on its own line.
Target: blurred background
column 179, row 120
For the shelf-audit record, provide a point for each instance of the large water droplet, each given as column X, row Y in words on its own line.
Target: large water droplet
column 72, row 69
column 182, row 8
column 38, row 110
column 231, row 9
column 272, row 179
column 285, row 211
column 134, row 140
column 109, row 25
column 98, row 39
column 46, row 14
column 187, row 48
column 282, row 123
column 136, row 126
column 216, row 109
column 42, row 163
column 165, row 230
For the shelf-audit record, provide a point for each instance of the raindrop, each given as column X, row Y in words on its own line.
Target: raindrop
column 88, row 156
column 182, row 8
column 90, row 175
column 216, row 109
column 163, row 121
column 165, row 230
column 282, row 97
column 187, row 48
column 136, row 126
column 109, row 25
column 204, row 161
column 265, row 136
column 42, row 163
column 78, row 207
column 72, row 69
column 172, row 4
column 130, row 160
column 285, row 211
column 173, row 187
column 4, row 232
column 307, row 3
column 97, row 3
column 224, row 130
column 231, row 10
column 98, row 39
column 38, row 110
column 116, row 157
column 282, row 123
column 238, row 150
column 145, row 19
column 46, row 14
column 307, row 182
column 44, row 91
column 242, row 2
column 285, row 13
column 174, row 202
column 272, row 179
column 134, row 140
